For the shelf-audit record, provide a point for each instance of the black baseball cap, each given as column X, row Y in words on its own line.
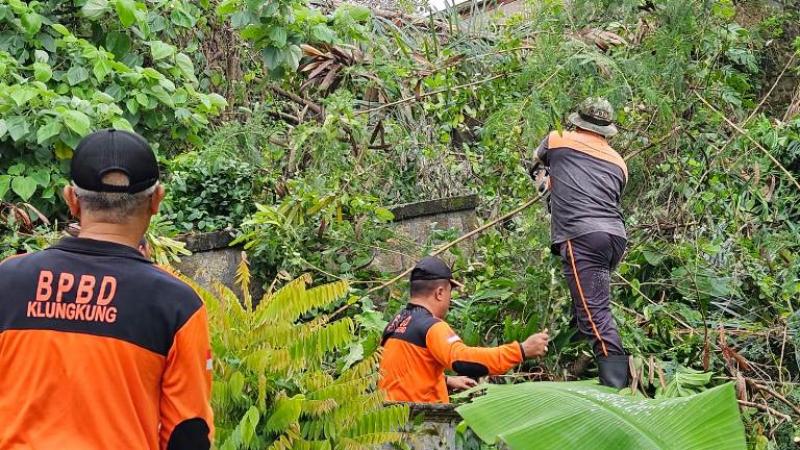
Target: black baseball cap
column 433, row 268
column 113, row 150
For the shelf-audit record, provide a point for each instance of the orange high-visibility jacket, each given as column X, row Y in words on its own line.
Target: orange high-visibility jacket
column 101, row 350
column 418, row 348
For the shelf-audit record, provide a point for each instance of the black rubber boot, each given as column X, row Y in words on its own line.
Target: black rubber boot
column 613, row 370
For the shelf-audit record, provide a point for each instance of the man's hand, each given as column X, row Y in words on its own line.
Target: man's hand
column 460, row 383
column 536, row 344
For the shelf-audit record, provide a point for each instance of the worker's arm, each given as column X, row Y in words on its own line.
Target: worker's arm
column 447, row 348
column 186, row 418
column 543, row 153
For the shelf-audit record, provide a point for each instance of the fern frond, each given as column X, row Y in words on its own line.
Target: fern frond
column 366, row 367
column 242, row 279
column 323, row 340
column 287, row 440
column 287, row 412
column 293, row 300
column 319, row 407
column 312, row 445
column 389, row 419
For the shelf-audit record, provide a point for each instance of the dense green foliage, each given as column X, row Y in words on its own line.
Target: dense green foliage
column 276, row 384
column 334, row 114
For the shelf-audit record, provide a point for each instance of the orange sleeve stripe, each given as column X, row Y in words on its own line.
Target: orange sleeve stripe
column 186, row 383
column 448, row 348
column 595, row 147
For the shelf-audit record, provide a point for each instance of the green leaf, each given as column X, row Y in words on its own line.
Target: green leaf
column 3, row 128
column 5, row 184
column 227, row 7
column 21, row 94
column 42, row 177
column 24, row 187
column 95, row 9
column 47, row 131
column 17, row 169
column 42, row 72
column 383, row 214
column 248, row 424
column 356, row 13
column 292, row 56
column 17, row 127
column 31, row 22
column 118, row 43
column 101, row 68
column 277, row 34
column 186, row 66
column 580, row 416
column 181, row 18
column 60, row 29
column 126, row 10
column 77, row 75
column 63, row 151
column 77, row 122
column 287, row 411
column 120, row 123
column 161, row 50
column 322, row 33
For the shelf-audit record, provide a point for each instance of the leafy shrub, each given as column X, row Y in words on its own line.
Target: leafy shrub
column 57, row 85
column 277, row 383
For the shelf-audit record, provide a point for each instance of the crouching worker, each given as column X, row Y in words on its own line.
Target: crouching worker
column 419, row 345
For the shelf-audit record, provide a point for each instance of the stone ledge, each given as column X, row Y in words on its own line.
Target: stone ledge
column 432, row 412
column 432, row 207
column 203, row 242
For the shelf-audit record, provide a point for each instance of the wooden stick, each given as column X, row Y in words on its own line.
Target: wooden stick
column 292, row 96
column 766, row 409
column 744, row 133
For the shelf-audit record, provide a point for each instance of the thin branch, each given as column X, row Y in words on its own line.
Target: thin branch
column 766, row 409
column 773, row 393
column 296, row 98
column 744, row 133
column 428, row 94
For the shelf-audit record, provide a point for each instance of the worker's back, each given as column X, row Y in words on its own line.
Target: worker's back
column 409, row 370
column 90, row 334
column 587, row 178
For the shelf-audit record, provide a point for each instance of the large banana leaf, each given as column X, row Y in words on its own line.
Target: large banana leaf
column 579, row 416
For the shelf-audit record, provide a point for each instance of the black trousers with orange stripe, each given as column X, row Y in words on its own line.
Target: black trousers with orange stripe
column 592, row 257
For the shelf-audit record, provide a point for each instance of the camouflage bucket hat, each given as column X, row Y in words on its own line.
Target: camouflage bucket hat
column 597, row 115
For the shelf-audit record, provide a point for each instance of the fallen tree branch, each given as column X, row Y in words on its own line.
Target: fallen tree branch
column 773, row 393
column 766, row 409
column 428, row 94
column 756, row 143
column 296, row 98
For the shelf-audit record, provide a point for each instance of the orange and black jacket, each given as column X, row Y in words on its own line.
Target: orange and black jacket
column 418, row 348
column 101, row 350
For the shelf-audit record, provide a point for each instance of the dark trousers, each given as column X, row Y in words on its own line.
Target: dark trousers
column 593, row 256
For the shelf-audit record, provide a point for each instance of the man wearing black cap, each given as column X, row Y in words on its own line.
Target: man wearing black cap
column 586, row 180
column 419, row 345
column 100, row 348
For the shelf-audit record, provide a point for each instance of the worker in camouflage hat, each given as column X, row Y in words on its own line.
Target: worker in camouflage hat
column 585, row 179
column 595, row 115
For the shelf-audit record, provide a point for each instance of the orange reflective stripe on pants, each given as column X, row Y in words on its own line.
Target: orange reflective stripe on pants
column 583, row 298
